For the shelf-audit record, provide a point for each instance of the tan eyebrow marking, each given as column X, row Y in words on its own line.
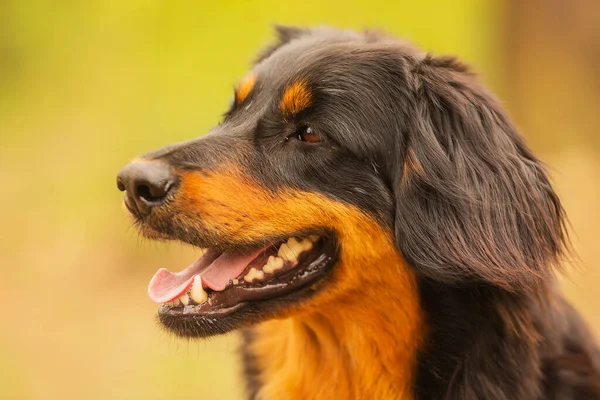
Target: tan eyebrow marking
column 245, row 87
column 296, row 98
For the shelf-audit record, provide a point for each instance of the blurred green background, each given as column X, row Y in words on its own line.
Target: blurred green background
column 87, row 85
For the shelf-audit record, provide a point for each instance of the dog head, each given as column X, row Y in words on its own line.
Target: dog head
column 349, row 162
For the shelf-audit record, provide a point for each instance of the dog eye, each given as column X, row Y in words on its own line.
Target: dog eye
column 307, row 134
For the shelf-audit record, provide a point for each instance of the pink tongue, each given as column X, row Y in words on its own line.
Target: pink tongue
column 216, row 272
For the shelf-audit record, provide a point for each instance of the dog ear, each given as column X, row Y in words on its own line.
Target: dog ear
column 473, row 204
column 285, row 34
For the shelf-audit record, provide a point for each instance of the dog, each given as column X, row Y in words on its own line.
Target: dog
column 374, row 224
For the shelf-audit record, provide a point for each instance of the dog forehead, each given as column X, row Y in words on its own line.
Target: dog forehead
column 330, row 60
column 310, row 58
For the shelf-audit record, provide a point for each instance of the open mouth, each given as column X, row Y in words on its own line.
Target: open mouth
column 219, row 284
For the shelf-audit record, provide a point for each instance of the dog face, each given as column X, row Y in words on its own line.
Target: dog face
column 343, row 155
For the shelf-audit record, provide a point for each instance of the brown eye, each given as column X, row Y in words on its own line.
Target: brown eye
column 307, row 134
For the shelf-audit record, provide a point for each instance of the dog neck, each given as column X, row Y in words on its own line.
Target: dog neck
column 362, row 347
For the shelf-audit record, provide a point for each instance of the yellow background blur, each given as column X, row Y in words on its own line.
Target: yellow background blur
column 87, row 85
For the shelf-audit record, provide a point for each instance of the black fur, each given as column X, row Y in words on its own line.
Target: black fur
column 415, row 141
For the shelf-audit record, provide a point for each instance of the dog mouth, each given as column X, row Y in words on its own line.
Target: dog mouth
column 221, row 283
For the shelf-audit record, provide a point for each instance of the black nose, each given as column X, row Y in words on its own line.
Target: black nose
column 146, row 183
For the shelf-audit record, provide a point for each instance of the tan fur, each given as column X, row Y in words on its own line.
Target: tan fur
column 245, row 87
column 357, row 336
column 411, row 166
column 361, row 345
column 296, row 98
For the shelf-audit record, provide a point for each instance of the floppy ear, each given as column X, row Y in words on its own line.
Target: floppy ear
column 284, row 34
column 473, row 204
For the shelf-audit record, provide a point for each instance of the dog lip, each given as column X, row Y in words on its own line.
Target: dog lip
column 194, row 310
column 131, row 208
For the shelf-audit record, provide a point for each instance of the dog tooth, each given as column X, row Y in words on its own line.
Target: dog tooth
column 286, row 253
column 307, row 243
column 197, row 292
column 176, row 302
column 236, row 281
column 313, row 238
column 298, row 246
column 273, row 264
column 185, row 299
column 253, row 275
